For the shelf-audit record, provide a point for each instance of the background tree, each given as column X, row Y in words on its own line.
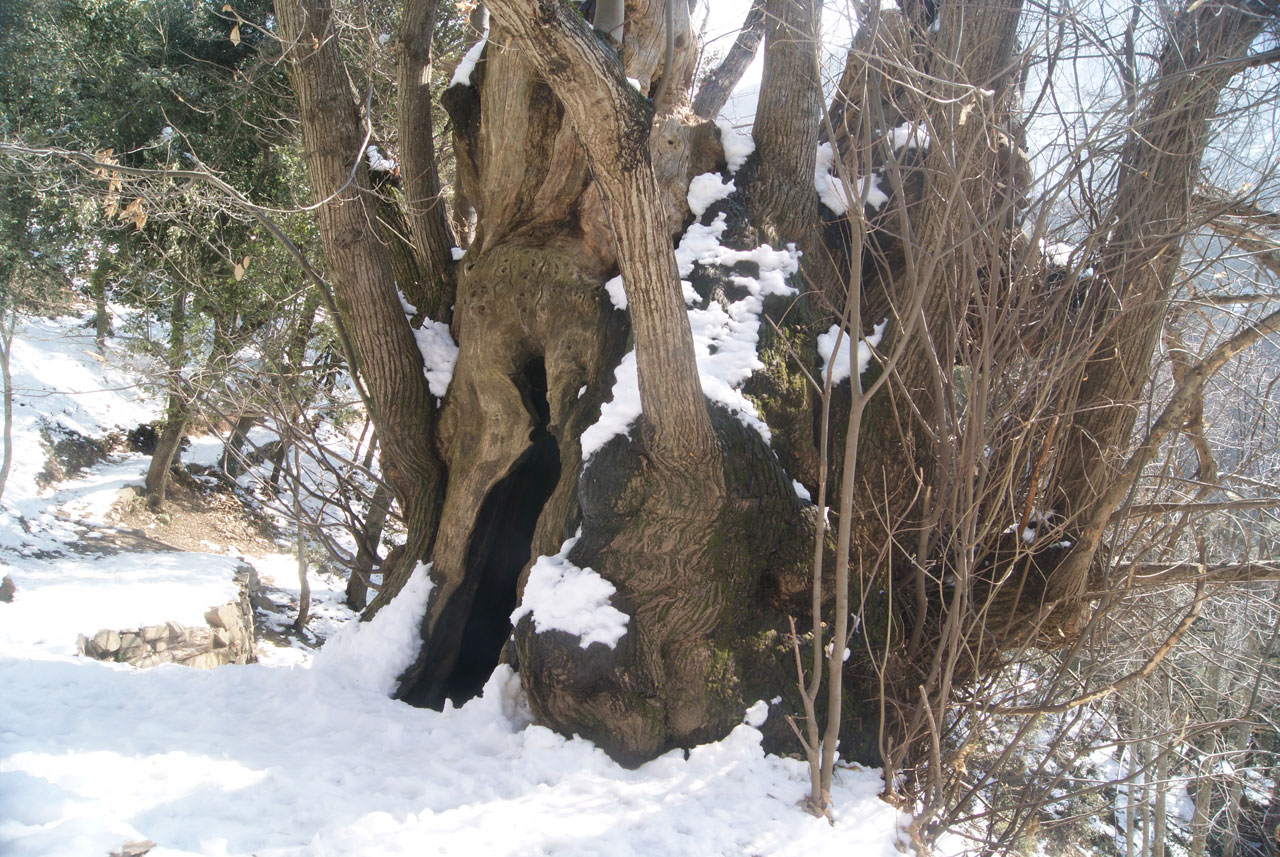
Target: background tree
column 153, row 86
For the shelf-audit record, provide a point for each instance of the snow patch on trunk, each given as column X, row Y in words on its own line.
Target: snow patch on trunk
column 706, row 190
column 616, row 415
column 840, row 368
column 617, row 294
column 435, row 343
column 737, row 146
column 462, row 74
column 562, row 597
column 378, row 162
column 835, row 194
column 439, row 355
column 725, row 336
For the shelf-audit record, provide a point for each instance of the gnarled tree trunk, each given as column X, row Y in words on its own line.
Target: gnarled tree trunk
column 575, row 176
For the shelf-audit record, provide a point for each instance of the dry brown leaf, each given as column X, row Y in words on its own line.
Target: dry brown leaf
column 238, row 272
column 235, row 35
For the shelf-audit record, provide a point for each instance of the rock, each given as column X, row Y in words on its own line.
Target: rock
column 207, row 660
column 152, row 633
column 149, row 659
column 134, row 655
column 134, row 848
column 108, row 642
column 226, row 616
column 129, row 641
column 82, row 644
column 176, row 631
column 7, row 589
column 221, row 638
column 160, row 645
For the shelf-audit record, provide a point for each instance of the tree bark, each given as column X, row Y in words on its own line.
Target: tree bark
column 177, row 410
column 357, row 592
column 613, row 127
column 230, row 462
column 425, row 208
column 780, row 175
column 300, row 546
column 716, row 89
column 365, row 288
column 555, row 152
column 98, row 288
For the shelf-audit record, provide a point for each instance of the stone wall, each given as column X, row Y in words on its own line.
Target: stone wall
column 228, row 638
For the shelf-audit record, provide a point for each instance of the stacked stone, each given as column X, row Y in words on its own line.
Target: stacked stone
column 142, row 646
column 228, row 638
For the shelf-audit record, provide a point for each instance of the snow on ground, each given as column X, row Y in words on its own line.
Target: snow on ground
column 115, row 592
column 58, row 375
column 303, row 754
column 373, row 654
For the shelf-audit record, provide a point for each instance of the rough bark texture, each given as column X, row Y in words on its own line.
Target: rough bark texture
column 423, row 203
column 782, row 201
column 364, row 287
column 557, row 154
column 534, row 323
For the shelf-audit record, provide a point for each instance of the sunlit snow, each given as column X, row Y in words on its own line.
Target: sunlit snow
column 560, row 596
column 305, row 754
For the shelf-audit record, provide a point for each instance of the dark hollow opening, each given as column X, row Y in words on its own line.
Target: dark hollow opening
column 501, row 543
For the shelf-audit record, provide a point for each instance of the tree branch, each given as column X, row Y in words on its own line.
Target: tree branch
column 1145, row 670
column 612, row 121
column 718, row 85
column 1167, row 574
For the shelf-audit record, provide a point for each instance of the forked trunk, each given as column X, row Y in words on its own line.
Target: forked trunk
column 688, row 515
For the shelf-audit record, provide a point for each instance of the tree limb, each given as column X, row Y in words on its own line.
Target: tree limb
column 612, row 121
column 718, row 85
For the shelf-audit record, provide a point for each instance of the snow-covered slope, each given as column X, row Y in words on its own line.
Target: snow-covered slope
column 304, row 757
